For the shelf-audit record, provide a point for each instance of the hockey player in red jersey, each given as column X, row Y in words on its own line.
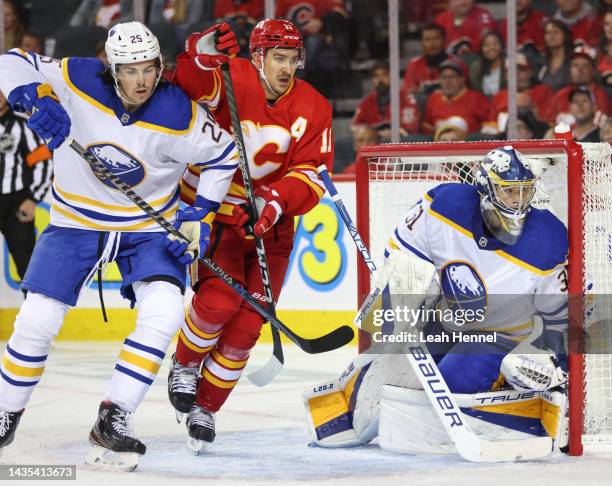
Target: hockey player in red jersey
column 286, row 125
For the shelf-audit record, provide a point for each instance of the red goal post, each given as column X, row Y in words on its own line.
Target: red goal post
column 392, row 177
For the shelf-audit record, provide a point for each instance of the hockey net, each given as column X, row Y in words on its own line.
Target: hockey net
column 576, row 185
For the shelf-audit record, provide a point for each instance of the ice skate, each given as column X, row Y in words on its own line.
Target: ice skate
column 182, row 382
column 8, row 425
column 201, row 429
column 113, row 445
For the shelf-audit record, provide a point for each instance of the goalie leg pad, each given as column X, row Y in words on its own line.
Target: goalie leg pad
column 409, row 425
column 328, row 406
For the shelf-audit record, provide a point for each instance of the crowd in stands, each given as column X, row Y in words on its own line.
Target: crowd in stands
column 455, row 88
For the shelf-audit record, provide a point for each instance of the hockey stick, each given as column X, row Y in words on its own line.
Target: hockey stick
column 468, row 445
column 266, row 373
column 328, row 342
column 361, row 247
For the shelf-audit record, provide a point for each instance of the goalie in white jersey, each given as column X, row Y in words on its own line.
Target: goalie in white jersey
column 145, row 132
column 499, row 265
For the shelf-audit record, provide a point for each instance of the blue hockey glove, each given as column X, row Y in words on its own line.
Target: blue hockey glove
column 195, row 223
column 49, row 120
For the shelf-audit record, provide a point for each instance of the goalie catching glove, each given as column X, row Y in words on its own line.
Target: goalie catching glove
column 194, row 223
column 49, row 120
column 269, row 207
column 531, row 369
column 213, row 47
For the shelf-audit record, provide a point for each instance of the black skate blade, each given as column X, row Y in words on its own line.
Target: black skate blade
column 107, row 460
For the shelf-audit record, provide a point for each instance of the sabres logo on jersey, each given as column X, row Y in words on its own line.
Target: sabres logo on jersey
column 462, row 287
column 121, row 163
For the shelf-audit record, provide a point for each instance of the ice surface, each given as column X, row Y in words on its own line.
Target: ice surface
column 261, row 439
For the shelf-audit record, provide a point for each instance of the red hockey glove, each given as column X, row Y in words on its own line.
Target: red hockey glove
column 270, row 206
column 213, row 47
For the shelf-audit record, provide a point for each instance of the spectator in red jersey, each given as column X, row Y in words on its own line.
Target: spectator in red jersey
column 488, row 72
column 362, row 135
column 465, row 23
column 604, row 65
column 375, row 108
column 324, row 25
column 558, row 51
column 530, row 27
column 422, row 74
column 582, row 73
column 530, row 97
column 581, row 18
column 453, row 99
column 582, row 109
column 31, row 43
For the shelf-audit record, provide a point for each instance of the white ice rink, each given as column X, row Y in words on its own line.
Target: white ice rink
column 260, row 435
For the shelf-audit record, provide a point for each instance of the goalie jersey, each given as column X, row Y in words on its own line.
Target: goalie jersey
column 509, row 284
column 149, row 148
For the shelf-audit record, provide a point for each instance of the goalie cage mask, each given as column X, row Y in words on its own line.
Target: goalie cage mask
column 506, row 186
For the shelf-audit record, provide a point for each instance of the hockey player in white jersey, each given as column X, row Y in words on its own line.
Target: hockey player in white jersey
column 145, row 132
column 487, row 250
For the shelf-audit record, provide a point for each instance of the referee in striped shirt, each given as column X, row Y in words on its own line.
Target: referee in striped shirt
column 25, row 177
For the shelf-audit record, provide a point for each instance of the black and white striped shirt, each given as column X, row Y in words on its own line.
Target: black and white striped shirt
column 25, row 162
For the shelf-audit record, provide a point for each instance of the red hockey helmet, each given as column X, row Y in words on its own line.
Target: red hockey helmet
column 274, row 33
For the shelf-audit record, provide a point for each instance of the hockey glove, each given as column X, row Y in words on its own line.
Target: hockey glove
column 532, row 369
column 49, row 120
column 242, row 215
column 213, row 47
column 270, row 208
column 194, row 222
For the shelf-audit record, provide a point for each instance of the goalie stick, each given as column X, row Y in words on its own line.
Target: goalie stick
column 469, row 446
column 361, row 247
column 266, row 373
column 328, row 342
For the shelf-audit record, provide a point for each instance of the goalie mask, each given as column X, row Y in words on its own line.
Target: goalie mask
column 506, row 186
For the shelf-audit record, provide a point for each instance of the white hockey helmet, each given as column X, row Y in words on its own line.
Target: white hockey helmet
column 130, row 42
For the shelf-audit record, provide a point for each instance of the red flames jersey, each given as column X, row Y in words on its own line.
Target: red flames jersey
column 420, row 76
column 587, row 30
column 559, row 105
column 540, row 96
column 285, row 142
column 476, row 23
column 470, row 105
column 367, row 113
column 530, row 31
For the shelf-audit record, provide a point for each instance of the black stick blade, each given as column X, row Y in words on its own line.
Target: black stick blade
column 334, row 340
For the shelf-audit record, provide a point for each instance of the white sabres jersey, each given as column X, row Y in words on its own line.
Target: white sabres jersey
column 149, row 148
column 510, row 283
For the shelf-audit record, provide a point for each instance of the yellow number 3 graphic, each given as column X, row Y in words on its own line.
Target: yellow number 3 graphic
column 322, row 225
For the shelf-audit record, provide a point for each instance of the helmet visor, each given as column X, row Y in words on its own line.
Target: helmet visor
column 514, row 196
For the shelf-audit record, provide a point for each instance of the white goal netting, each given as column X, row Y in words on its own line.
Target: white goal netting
column 398, row 176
